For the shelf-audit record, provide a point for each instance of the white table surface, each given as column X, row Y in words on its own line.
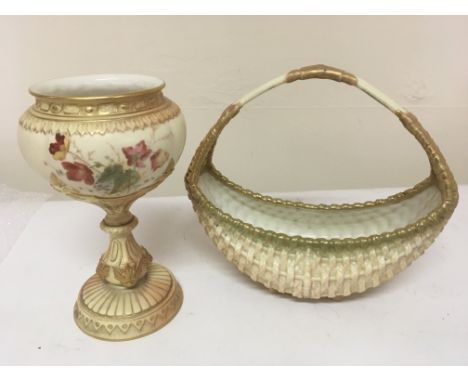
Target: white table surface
column 420, row 317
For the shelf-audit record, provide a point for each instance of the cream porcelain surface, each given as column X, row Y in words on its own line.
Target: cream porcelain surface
column 108, row 140
column 317, row 250
column 88, row 150
column 96, row 85
column 106, row 149
column 319, row 223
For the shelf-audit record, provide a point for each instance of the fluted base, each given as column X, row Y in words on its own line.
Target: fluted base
column 115, row 313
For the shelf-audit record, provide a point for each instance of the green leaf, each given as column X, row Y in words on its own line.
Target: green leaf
column 117, row 179
column 125, row 180
column 109, row 173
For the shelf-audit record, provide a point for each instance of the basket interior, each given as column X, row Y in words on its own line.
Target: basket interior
column 320, row 222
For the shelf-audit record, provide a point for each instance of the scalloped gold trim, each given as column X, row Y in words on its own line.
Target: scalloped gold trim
column 441, row 176
column 122, row 123
column 395, row 198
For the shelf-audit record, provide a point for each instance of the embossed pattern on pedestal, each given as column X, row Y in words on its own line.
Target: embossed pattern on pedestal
column 114, row 313
column 108, row 139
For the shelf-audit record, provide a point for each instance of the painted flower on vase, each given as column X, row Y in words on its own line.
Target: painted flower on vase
column 137, row 154
column 78, row 172
column 158, row 159
column 113, row 175
column 59, row 148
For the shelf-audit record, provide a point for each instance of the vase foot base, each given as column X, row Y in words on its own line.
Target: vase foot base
column 114, row 313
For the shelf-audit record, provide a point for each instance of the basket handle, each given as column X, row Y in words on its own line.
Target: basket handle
column 439, row 168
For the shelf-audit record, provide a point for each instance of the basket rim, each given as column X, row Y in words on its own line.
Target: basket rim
column 391, row 199
column 440, row 175
column 439, row 214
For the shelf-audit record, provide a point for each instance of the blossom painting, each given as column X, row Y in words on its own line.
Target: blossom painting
column 130, row 167
column 78, row 172
column 159, row 159
column 137, row 154
column 59, row 148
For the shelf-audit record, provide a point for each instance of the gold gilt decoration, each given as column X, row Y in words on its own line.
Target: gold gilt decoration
column 129, row 296
column 97, row 107
column 108, row 140
column 125, row 262
column 112, row 313
column 116, row 120
column 312, row 265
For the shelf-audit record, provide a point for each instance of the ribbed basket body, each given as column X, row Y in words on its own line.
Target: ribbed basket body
column 313, row 270
column 316, row 251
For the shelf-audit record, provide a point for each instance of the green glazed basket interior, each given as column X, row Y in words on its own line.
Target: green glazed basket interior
column 314, row 251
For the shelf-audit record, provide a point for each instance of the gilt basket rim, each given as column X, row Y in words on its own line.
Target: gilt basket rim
column 434, row 218
column 440, row 175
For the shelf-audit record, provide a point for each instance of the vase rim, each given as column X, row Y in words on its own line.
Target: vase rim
column 97, row 86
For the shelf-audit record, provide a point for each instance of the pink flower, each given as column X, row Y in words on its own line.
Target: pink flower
column 158, row 159
column 78, row 172
column 136, row 155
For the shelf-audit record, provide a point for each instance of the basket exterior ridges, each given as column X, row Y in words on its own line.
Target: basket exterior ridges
column 315, row 273
column 312, row 262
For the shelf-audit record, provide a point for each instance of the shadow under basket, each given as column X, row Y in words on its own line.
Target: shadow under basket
column 315, row 251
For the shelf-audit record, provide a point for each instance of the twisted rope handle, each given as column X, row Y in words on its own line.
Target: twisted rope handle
column 439, row 168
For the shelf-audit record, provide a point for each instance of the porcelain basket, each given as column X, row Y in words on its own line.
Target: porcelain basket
column 315, row 251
